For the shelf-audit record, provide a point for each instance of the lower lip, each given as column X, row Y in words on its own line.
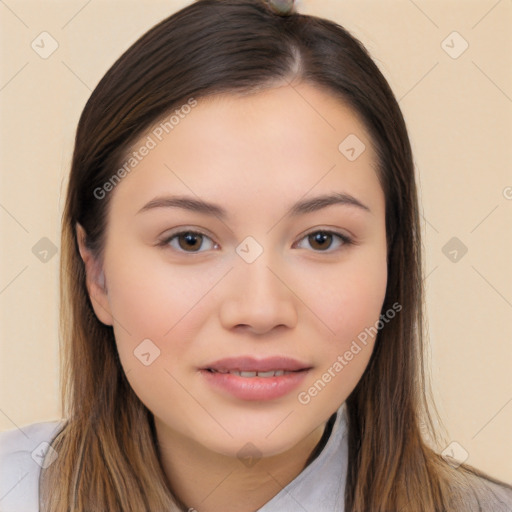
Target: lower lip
column 255, row 388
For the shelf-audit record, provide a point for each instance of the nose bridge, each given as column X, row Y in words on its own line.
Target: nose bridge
column 258, row 280
column 255, row 260
column 257, row 296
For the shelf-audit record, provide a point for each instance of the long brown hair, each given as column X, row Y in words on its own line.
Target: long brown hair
column 107, row 451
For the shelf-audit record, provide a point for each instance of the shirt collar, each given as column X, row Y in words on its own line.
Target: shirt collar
column 320, row 487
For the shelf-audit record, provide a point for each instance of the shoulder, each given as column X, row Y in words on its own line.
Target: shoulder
column 480, row 492
column 495, row 495
column 23, row 452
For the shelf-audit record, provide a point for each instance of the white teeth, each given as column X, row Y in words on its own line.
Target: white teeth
column 247, row 374
column 270, row 373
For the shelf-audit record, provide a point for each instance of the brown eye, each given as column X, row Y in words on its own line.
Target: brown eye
column 320, row 240
column 189, row 241
column 325, row 241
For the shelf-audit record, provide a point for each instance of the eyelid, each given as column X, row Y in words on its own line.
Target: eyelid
column 185, row 229
column 333, row 231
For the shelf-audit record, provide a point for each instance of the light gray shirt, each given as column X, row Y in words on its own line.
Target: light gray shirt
column 320, row 487
column 22, row 451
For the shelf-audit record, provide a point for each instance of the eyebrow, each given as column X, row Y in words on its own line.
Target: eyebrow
column 299, row 208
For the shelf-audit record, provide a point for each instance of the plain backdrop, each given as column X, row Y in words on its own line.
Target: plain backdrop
column 450, row 66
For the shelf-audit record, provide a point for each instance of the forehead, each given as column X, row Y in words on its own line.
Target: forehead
column 285, row 140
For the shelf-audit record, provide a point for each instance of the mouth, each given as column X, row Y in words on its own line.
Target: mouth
column 247, row 378
column 252, row 374
column 249, row 366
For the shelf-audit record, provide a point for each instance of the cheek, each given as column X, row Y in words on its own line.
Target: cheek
column 350, row 298
column 157, row 309
column 348, row 305
column 151, row 299
column 150, row 296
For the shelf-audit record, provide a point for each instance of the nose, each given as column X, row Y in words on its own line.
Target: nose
column 258, row 299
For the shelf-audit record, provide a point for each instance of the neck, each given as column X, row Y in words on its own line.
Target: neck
column 208, row 481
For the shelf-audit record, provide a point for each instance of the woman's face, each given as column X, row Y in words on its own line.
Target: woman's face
column 283, row 267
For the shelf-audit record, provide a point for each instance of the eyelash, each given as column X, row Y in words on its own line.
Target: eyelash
column 346, row 240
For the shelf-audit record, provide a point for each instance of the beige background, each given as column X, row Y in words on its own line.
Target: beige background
column 459, row 114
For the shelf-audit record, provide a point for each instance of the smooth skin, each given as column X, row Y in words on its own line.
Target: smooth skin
column 303, row 297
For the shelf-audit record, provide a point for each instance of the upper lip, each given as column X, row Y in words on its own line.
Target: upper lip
column 252, row 364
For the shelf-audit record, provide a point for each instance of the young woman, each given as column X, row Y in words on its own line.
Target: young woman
column 242, row 286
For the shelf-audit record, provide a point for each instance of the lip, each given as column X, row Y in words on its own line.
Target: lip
column 252, row 364
column 254, row 388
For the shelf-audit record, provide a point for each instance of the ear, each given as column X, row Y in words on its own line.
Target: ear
column 95, row 280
